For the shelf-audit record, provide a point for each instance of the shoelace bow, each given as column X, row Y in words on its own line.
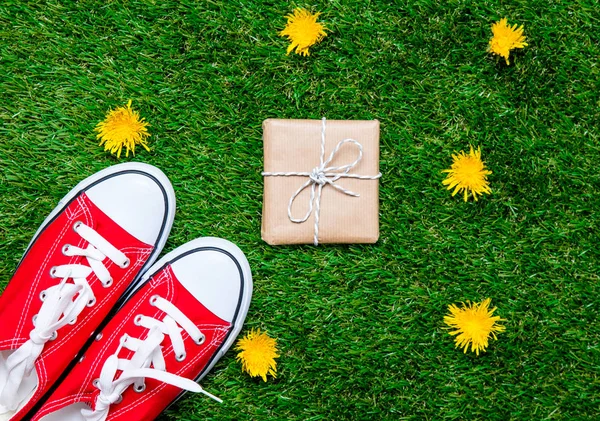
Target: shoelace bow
column 147, row 354
column 61, row 304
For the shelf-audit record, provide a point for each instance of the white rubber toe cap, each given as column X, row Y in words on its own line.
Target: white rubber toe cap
column 136, row 198
column 213, row 278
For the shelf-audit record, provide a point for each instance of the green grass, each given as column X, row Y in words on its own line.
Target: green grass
column 359, row 327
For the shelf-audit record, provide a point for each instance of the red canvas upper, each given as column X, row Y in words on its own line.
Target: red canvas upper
column 146, row 405
column 21, row 299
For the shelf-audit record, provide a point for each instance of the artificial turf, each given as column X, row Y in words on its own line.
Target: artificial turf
column 360, row 328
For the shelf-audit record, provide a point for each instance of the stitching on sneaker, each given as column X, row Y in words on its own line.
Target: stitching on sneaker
column 93, row 311
column 36, row 279
column 51, row 251
column 16, row 342
column 219, row 332
column 165, row 278
column 82, row 395
column 161, row 386
column 39, row 363
column 102, row 355
column 168, row 350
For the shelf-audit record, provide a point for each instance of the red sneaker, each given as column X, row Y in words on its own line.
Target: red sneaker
column 83, row 258
column 168, row 335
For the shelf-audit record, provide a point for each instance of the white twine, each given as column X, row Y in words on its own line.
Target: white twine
column 321, row 176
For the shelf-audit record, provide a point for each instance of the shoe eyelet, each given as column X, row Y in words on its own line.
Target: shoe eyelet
column 91, row 302
column 139, row 389
column 76, row 225
column 43, row 296
column 54, row 336
column 125, row 264
column 53, row 271
column 137, row 320
column 180, row 357
column 119, row 400
column 65, row 249
column 108, row 283
column 153, row 300
column 96, row 383
column 201, row 340
column 98, row 337
column 72, row 322
column 34, row 319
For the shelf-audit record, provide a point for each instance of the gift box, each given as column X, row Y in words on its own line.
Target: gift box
column 321, row 181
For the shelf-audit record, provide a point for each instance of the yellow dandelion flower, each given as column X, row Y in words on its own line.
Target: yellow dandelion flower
column 303, row 31
column 474, row 324
column 468, row 174
column 257, row 354
column 122, row 127
column 506, row 38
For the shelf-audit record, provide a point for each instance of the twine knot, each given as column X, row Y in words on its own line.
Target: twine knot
column 318, row 176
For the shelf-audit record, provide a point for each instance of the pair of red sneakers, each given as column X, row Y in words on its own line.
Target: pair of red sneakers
column 89, row 280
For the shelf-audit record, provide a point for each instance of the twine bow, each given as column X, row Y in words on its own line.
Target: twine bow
column 321, row 176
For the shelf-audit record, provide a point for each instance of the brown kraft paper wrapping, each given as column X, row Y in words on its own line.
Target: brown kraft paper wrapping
column 295, row 146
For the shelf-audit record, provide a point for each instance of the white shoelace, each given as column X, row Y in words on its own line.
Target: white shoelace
column 61, row 304
column 147, row 353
